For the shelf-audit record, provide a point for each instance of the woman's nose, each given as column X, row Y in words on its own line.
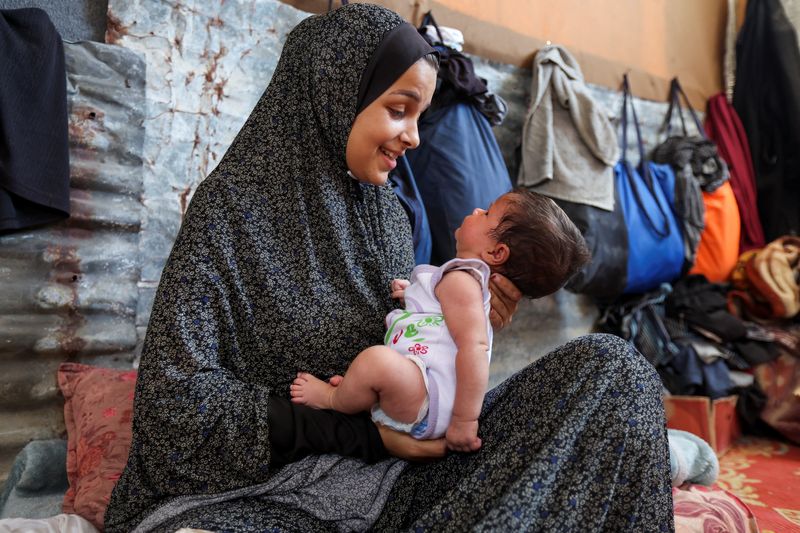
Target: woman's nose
column 410, row 136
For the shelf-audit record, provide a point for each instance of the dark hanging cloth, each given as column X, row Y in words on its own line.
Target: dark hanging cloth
column 34, row 155
column 283, row 263
column 405, row 187
column 458, row 82
column 725, row 129
column 767, row 99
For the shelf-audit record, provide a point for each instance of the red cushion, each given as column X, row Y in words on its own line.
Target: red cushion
column 98, row 409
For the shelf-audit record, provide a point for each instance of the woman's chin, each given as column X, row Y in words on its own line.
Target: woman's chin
column 377, row 179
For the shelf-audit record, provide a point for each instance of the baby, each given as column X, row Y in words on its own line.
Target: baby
column 430, row 376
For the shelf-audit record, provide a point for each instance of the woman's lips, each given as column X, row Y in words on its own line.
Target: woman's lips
column 390, row 161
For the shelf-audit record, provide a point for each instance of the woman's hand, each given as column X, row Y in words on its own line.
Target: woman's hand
column 505, row 300
column 406, row 447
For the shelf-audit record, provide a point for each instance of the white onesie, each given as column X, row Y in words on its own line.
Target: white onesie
column 420, row 333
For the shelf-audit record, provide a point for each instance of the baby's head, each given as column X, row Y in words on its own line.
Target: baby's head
column 526, row 237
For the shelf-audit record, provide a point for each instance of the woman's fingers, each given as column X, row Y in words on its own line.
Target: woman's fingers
column 505, row 297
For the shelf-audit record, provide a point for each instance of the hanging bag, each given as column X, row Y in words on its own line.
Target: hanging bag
column 714, row 238
column 677, row 151
column 655, row 243
column 458, row 167
column 405, row 188
column 605, row 276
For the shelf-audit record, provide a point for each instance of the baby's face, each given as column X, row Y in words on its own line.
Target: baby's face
column 474, row 236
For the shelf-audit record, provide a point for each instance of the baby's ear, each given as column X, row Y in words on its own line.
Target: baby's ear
column 497, row 255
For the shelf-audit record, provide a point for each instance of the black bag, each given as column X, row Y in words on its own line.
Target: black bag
column 697, row 166
column 606, row 236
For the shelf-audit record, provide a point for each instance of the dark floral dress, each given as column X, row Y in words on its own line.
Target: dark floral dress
column 283, row 263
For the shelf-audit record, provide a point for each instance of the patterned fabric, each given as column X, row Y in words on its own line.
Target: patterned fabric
column 328, row 487
column 284, row 263
column 574, row 442
column 764, row 474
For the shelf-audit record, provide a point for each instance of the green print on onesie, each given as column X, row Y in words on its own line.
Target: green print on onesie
column 412, row 329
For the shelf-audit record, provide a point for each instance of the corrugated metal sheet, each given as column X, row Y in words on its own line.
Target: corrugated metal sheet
column 69, row 291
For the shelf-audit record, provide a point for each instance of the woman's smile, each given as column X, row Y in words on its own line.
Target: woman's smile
column 390, row 158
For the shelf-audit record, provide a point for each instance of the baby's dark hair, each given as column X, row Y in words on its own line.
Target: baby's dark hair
column 545, row 248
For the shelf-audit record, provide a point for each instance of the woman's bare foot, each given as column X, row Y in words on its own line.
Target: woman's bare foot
column 313, row 392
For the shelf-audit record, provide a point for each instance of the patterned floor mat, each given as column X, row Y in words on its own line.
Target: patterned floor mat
column 765, row 475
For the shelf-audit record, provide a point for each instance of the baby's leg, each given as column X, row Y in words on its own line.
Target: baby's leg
column 376, row 375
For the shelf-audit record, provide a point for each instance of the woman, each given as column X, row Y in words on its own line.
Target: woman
column 284, row 262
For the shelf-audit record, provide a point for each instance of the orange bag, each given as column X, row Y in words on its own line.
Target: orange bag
column 719, row 242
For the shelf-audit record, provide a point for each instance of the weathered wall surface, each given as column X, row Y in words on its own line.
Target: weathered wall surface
column 652, row 40
column 150, row 116
column 69, row 291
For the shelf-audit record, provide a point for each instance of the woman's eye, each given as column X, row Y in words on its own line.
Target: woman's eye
column 396, row 113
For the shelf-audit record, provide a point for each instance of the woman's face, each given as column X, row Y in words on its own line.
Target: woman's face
column 387, row 127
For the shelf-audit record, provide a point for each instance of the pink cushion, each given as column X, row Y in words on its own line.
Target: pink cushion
column 98, row 409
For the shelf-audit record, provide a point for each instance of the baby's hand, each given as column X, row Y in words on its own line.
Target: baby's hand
column 399, row 289
column 462, row 436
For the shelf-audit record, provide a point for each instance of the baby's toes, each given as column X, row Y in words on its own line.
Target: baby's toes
column 297, row 395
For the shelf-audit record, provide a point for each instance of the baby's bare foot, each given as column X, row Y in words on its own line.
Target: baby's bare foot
column 310, row 391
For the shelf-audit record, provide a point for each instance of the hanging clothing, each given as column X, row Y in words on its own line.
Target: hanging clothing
column 34, row 154
column 767, row 99
column 284, row 263
column 725, row 129
column 405, row 187
column 458, row 167
column 569, row 146
column 457, row 81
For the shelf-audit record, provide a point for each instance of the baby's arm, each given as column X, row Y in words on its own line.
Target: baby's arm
column 461, row 299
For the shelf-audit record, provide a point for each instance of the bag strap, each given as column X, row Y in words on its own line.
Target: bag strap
column 428, row 19
column 648, row 178
column 626, row 97
column 330, row 4
column 666, row 126
column 675, row 92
